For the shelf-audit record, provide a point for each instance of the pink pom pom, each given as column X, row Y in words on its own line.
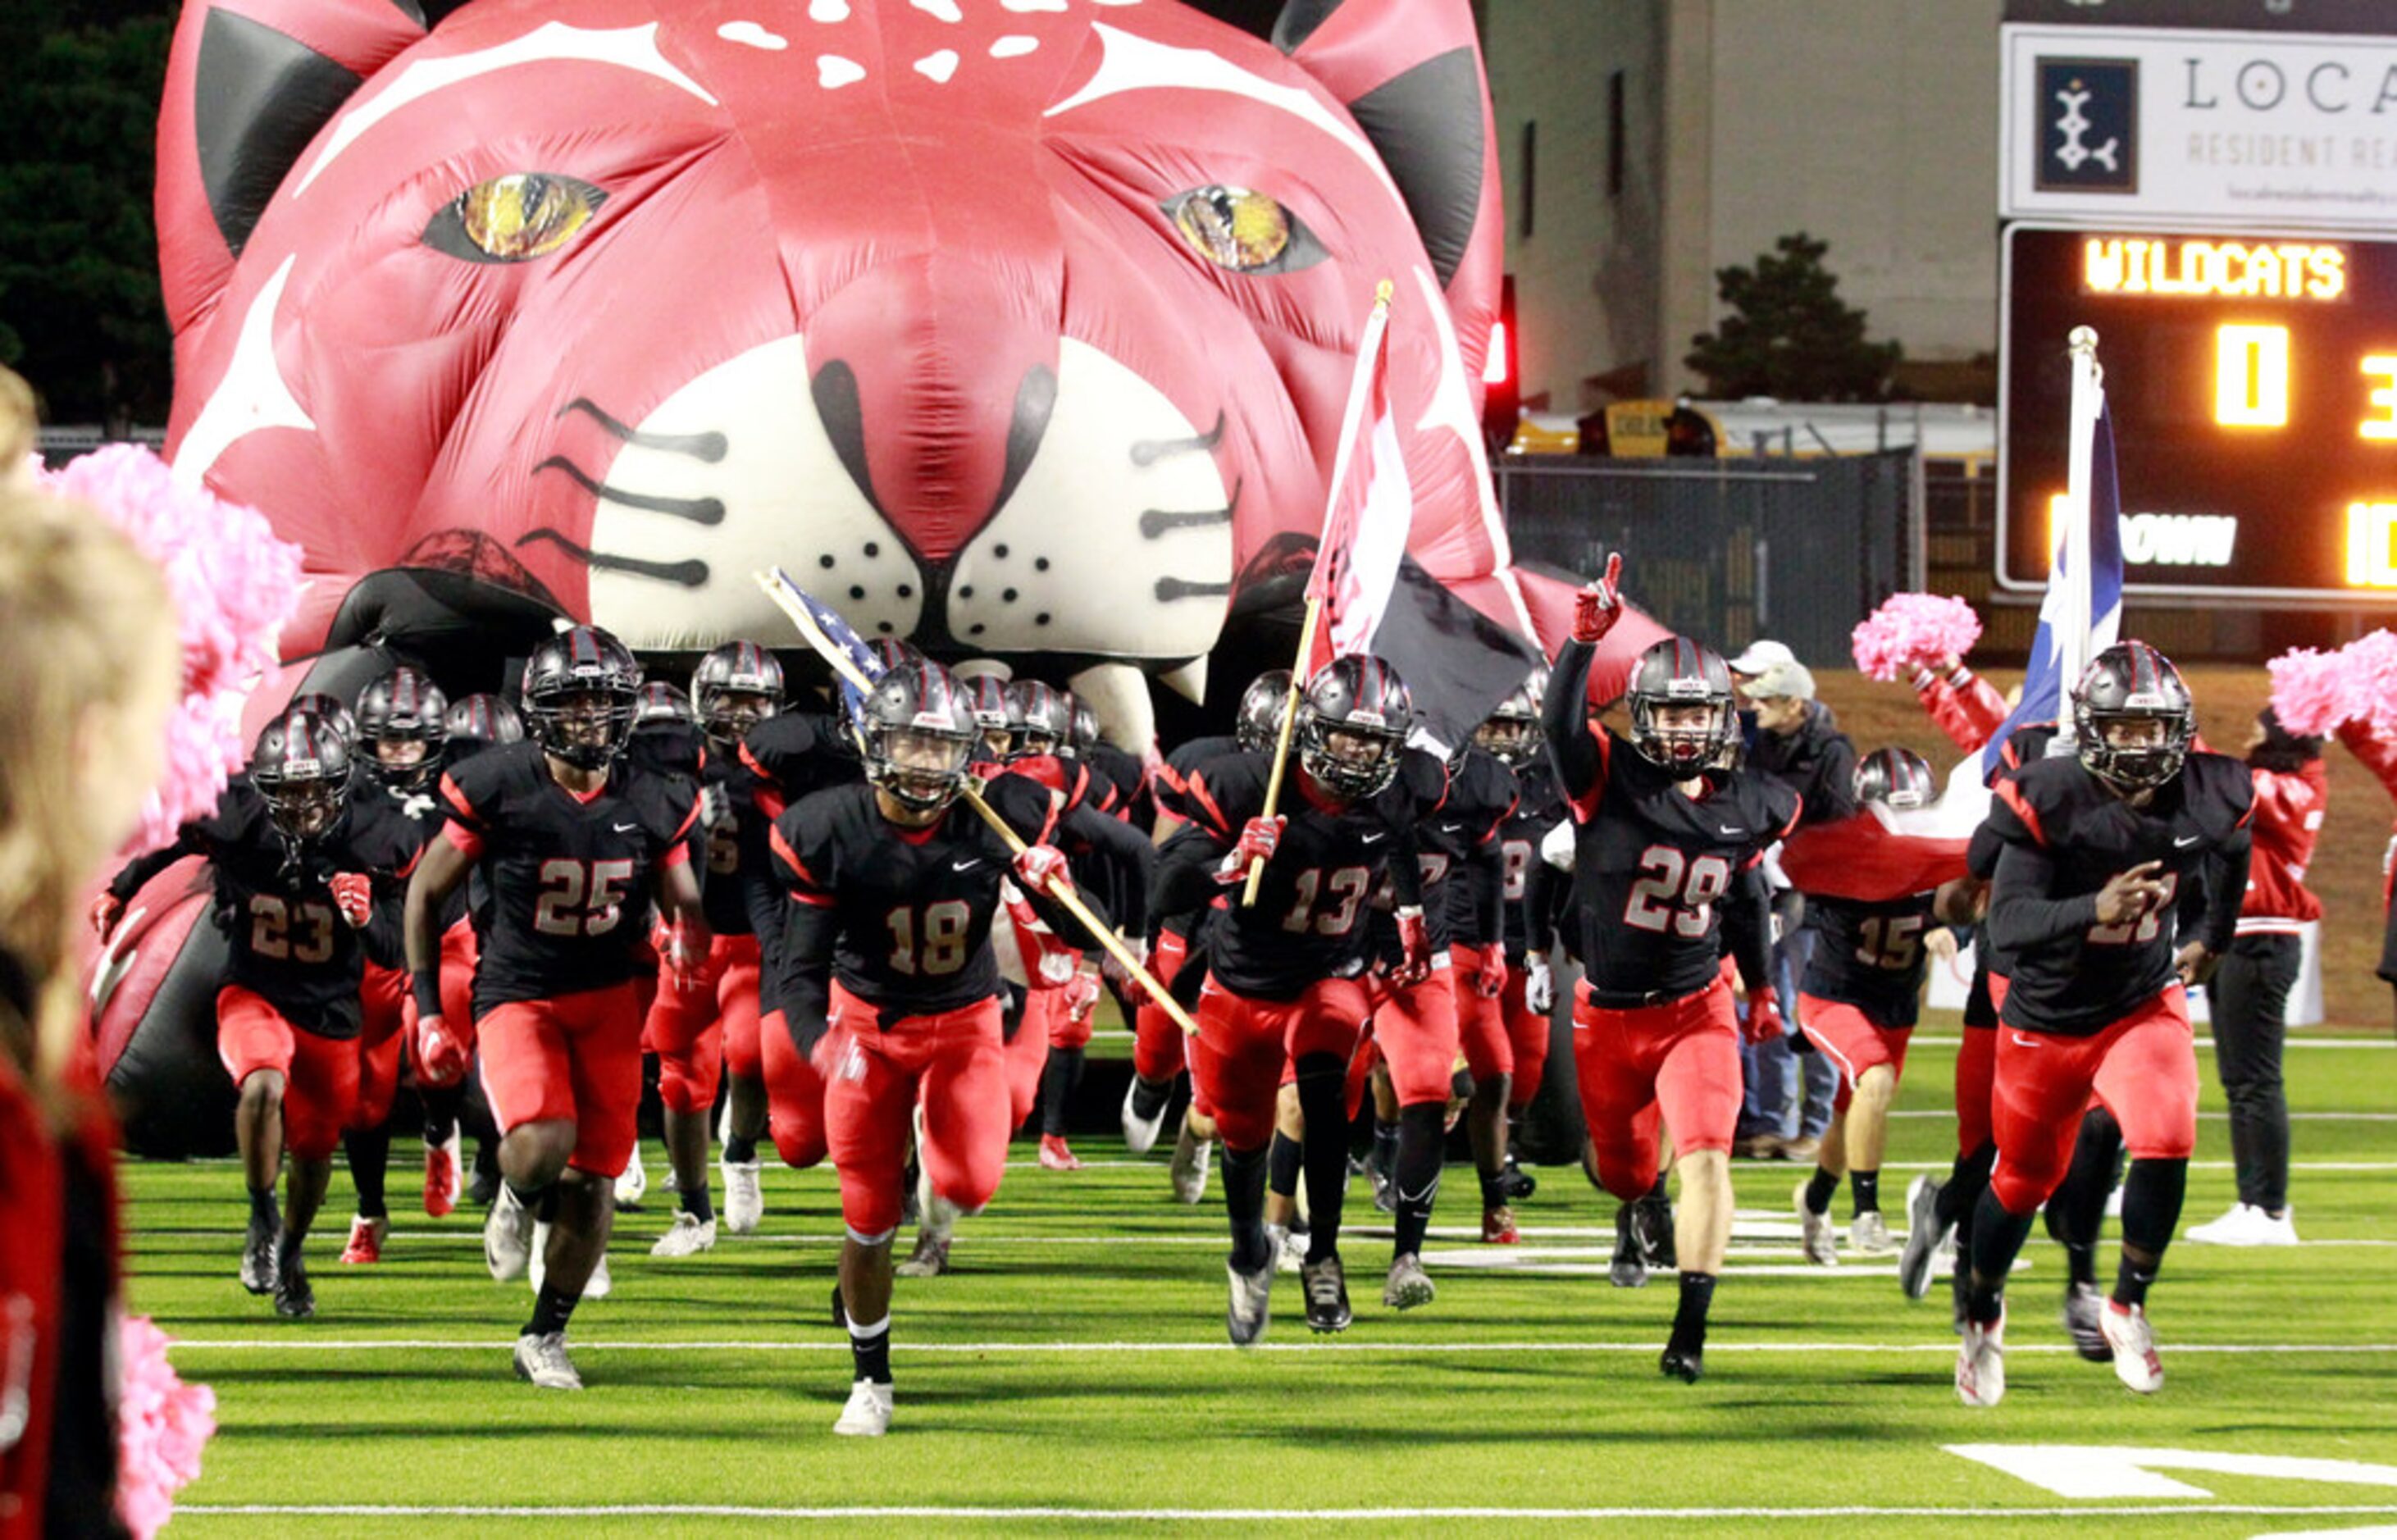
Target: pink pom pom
column 2372, row 681
column 2309, row 691
column 234, row 583
column 163, row 1424
column 1911, row 629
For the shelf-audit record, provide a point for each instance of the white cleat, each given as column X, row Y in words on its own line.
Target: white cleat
column 2247, row 1224
column 867, row 1415
column 688, row 1236
column 542, row 1360
column 633, row 1184
column 2127, row 1333
column 744, row 1195
column 1290, row 1251
column 1139, row 1133
column 1981, row 1364
column 1923, row 1237
column 1815, row 1232
column 1252, row 1305
column 507, row 1237
column 1189, row 1171
column 1868, row 1234
column 598, row 1286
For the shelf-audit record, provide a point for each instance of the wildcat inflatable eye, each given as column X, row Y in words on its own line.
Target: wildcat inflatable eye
column 514, row 219
column 1243, row 231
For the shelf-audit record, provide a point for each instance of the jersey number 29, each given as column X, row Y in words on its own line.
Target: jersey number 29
column 1674, row 890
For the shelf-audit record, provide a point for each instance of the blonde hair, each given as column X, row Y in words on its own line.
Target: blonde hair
column 84, row 622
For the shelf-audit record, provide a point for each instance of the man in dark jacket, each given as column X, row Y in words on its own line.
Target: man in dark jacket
column 1799, row 743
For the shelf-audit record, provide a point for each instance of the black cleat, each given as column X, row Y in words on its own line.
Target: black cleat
column 294, row 1300
column 1327, row 1296
column 483, row 1190
column 1516, row 1182
column 1684, row 1364
column 1629, row 1269
column 1652, row 1223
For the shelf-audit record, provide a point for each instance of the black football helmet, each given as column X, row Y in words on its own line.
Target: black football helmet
column 735, row 688
column 582, row 692
column 2128, row 683
column 986, row 694
column 1259, row 724
column 1895, row 778
column 1352, row 725
column 1084, row 735
column 327, row 709
column 1678, row 672
column 920, row 735
column 664, row 704
column 483, row 720
column 301, row 768
column 403, row 707
column 1512, row 731
column 889, row 652
column 1038, row 717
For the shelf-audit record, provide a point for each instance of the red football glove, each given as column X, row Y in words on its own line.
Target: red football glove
column 1259, row 838
column 1081, row 997
column 106, row 910
column 353, row 896
column 1598, row 607
column 1037, row 864
column 1490, row 979
column 440, row 1055
column 1414, row 948
column 1764, row 1025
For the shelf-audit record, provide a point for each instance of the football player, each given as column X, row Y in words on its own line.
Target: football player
column 571, row 838
column 1668, row 846
column 889, row 986
column 2094, row 850
column 293, row 892
column 1285, row 983
column 1857, row 1004
column 704, row 1023
column 1530, row 894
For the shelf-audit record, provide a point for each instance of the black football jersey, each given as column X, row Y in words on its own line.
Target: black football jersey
column 1310, row 922
column 794, row 753
column 394, row 828
column 570, row 876
column 729, row 849
column 285, row 936
column 910, row 909
column 1524, row 876
column 1464, row 832
column 1869, row 954
column 1172, row 790
column 2063, row 834
column 1653, row 868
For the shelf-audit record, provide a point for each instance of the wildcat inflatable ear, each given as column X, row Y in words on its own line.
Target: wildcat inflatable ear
column 249, row 83
column 1410, row 72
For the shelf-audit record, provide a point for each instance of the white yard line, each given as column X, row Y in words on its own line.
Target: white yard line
column 831, row 1344
column 1231, row 1515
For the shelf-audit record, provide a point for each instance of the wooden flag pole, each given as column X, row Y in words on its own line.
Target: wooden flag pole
column 780, row 588
column 1282, row 738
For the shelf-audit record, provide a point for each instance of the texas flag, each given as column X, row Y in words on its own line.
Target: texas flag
column 1374, row 598
column 1880, row 854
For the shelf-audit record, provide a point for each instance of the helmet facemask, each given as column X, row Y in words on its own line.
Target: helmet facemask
column 587, row 726
column 920, row 765
column 1686, row 737
column 2132, row 749
column 1347, row 758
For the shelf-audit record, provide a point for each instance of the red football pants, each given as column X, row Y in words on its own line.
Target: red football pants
column 1481, row 1023
column 573, row 1059
column 697, row 1024
column 954, row 1063
column 1527, row 1031
column 1236, row 1061
column 794, row 1094
column 1158, row 1053
column 1852, row 1040
column 320, row 1075
column 1028, row 1052
column 1976, row 1077
column 385, row 1018
column 1680, row 1058
column 2143, row 1067
column 1414, row 1026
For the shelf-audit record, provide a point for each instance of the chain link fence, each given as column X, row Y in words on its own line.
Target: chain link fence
column 1732, row 550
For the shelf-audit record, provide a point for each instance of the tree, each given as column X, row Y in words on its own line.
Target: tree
column 81, row 314
column 1789, row 333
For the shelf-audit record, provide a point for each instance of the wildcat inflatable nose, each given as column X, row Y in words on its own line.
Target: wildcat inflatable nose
column 934, row 376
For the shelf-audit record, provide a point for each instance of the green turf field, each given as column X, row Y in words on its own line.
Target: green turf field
column 1072, row 1373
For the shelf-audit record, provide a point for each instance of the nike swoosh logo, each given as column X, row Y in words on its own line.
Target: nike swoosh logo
column 2185, row 844
column 1452, row 828
column 625, row 828
column 965, row 865
column 1371, row 838
column 1424, row 1197
column 2021, row 1041
column 1730, row 831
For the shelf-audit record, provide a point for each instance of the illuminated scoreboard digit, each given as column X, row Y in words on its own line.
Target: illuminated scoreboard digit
column 2252, row 384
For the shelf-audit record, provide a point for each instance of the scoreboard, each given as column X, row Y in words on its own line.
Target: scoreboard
column 2252, row 380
